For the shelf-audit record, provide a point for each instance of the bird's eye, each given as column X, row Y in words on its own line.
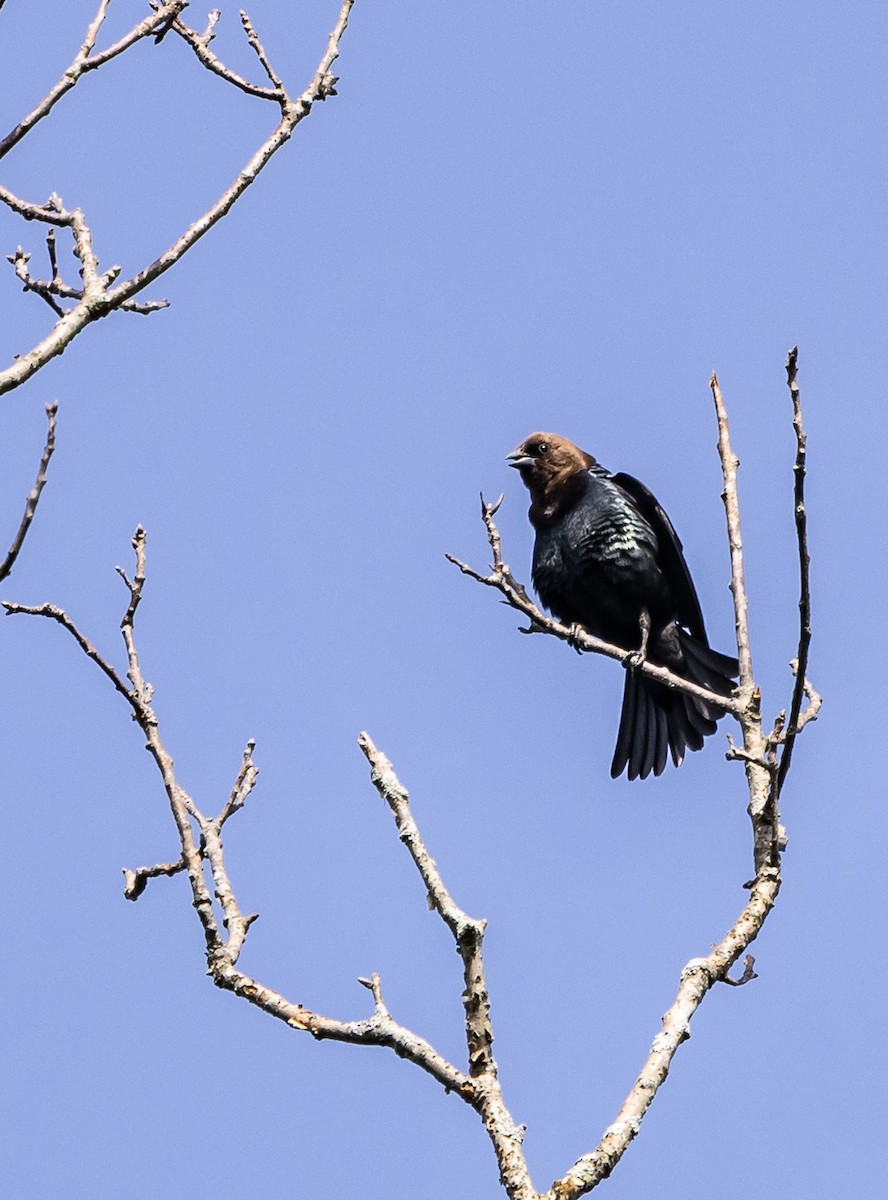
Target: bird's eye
column 543, row 448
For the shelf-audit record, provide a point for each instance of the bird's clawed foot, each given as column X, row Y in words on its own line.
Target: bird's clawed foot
column 637, row 658
column 573, row 636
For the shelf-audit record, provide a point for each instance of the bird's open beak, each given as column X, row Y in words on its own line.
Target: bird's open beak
column 518, row 458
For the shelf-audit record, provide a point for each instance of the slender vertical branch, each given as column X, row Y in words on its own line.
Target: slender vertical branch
column 487, row 1098
column 33, row 497
column 730, row 463
column 801, row 524
column 468, row 933
column 759, row 770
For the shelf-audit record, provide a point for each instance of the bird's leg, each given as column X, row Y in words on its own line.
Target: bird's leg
column 644, row 622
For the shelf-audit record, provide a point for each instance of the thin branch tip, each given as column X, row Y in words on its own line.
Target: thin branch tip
column 33, row 497
column 748, row 973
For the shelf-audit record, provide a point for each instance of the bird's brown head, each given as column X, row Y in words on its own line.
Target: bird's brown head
column 549, row 466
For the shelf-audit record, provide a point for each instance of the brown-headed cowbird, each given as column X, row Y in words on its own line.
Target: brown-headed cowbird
column 607, row 557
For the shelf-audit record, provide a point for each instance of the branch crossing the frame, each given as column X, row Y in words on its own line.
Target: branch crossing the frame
column 226, row 926
column 101, row 293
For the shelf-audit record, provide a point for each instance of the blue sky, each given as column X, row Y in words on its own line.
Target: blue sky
column 512, row 217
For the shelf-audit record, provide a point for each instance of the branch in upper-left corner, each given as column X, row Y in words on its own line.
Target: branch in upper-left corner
column 33, row 497
column 97, row 298
column 87, row 59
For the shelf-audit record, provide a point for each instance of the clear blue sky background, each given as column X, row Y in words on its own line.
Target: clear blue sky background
column 513, row 216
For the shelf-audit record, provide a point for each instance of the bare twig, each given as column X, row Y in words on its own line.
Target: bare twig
column 225, row 939
column 85, row 60
column 801, row 522
column 759, row 756
column 98, row 297
column 54, row 613
column 33, row 497
column 243, row 784
column 20, row 262
column 47, row 289
column 136, row 881
column 294, row 111
column 259, row 50
column 759, row 775
column 468, row 934
column 747, row 976
column 730, row 463
column 94, row 302
column 200, row 44
column 815, row 701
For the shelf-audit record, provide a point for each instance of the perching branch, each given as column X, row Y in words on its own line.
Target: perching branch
column 33, row 497
column 226, row 926
column 98, row 296
column 516, row 597
column 759, row 756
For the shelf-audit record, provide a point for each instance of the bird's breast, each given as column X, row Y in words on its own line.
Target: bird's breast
column 597, row 566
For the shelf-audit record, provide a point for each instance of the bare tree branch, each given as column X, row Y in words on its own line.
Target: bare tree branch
column 136, row 881
column 759, row 757
column 259, row 50
column 33, row 497
column 800, row 664
column 815, row 701
column 516, row 597
column 200, row 44
column 47, row 289
column 97, row 297
column 85, row 61
column 200, row 840
column 697, row 978
column 468, row 933
column 293, row 111
column 54, row 613
column 730, row 463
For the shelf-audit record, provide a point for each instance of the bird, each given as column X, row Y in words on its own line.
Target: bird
column 607, row 558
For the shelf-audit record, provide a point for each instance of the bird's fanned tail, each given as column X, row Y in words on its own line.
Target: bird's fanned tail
column 657, row 720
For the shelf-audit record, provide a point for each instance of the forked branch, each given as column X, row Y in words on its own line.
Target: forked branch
column 102, row 293
column 226, row 926
column 759, row 754
column 500, row 577
column 87, row 60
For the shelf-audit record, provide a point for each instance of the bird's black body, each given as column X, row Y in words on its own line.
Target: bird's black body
column 607, row 557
